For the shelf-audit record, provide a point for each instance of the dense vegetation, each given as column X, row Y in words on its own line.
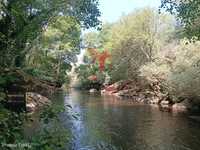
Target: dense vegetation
column 133, row 41
column 187, row 13
column 39, row 39
column 42, row 35
column 154, row 47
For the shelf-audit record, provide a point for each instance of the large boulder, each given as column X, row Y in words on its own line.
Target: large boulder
column 35, row 100
column 154, row 100
column 93, row 90
column 118, row 86
column 179, row 107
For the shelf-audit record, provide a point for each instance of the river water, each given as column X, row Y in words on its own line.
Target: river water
column 105, row 122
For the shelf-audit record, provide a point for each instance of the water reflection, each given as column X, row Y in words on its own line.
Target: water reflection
column 108, row 123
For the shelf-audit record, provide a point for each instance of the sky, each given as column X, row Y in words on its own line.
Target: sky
column 112, row 9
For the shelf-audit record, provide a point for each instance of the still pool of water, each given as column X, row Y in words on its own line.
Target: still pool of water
column 105, row 122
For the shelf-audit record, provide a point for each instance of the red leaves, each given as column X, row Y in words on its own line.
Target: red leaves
column 101, row 57
column 92, row 78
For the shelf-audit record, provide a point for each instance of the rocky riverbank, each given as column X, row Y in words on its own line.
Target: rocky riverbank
column 25, row 91
column 144, row 93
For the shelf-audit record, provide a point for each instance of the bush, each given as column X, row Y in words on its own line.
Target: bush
column 135, row 40
column 85, row 71
column 180, row 70
column 51, row 135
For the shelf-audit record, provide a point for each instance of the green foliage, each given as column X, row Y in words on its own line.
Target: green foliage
column 91, row 40
column 6, row 79
column 53, row 53
column 179, row 70
column 188, row 12
column 52, row 135
column 85, row 71
column 2, row 96
column 41, row 37
column 135, row 39
column 2, row 81
column 49, row 113
column 22, row 23
column 100, row 40
column 11, row 126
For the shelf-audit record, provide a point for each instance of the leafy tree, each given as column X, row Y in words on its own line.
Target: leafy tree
column 177, row 70
column 135, row 40
column 22, row 21
column 99, row 57
column 91, row 40
column 188, row 12
column 99, row 40
column 57, row 47
column 85, row 74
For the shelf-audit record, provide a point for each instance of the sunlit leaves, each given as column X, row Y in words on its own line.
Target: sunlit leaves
column 25, row 20
column 187, row 11
column 63, row 34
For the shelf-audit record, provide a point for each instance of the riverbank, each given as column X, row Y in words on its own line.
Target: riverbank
column 152, row 94
column 22, row 91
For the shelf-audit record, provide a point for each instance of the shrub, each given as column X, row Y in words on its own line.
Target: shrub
column 135, row 40
column 179, row 68
column 51, row 135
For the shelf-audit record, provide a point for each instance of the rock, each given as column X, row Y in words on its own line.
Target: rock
column 154, row 100
column 111, row 88
column 92, row 90
column 123, row 92
column 103, row 91
column 164, row 106
column 179, row 107
column 164, row 103
column 35, row 100
column 149, row 93
column 30, row 107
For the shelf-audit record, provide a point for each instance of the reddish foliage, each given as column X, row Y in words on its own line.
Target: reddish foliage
column 111, row 89
column 101, row 57
column 92, row 78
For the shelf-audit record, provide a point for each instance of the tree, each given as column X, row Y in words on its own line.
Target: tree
column 99, row 57
column 188, row 12
column 99, row 40
column 23, row 21
column 56, row 49
column 135, row 40
column 91, row 40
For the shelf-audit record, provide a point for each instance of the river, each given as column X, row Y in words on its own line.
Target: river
column 105, row 122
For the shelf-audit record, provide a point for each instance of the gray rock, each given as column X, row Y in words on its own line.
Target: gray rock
column 164, row 103
column 93, row 91
column 35, row 100
column 179, row 107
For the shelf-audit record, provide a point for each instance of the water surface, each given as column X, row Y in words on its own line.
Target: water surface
column 105, row 122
